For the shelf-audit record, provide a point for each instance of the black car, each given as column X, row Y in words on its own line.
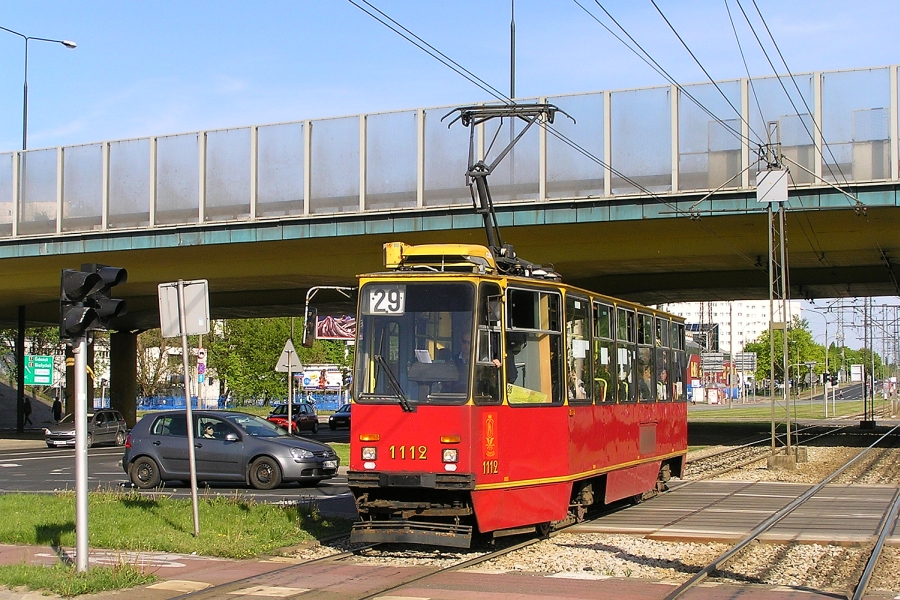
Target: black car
column 104, row 426
column 228, row 446
column 341, row 417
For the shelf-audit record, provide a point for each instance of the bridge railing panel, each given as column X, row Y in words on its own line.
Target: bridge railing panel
column 335, row 176
column 642, row 140
column 709, row 149
column 82, row 208
column 391, row 153
column 793, row 118
column 177, row 179
column 7, row 196
column 446, row 160
column 39, row 193
column 856, row 125
column 129, row 183
column 571, row 174
column 227, row 187
column 281, row 170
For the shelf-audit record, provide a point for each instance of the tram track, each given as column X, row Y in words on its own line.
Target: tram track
column 736, row 457
column 886, row 525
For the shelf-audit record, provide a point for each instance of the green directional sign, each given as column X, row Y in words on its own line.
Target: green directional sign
column 38, row 370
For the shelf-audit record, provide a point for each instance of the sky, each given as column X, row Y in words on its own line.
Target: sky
column 147, row 68
column 162, row 67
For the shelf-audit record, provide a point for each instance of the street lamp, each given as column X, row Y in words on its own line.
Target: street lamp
column 28, row 38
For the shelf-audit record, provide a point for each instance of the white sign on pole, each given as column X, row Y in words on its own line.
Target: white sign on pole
column 772, row 186
column 288, row 362
column 196, row 308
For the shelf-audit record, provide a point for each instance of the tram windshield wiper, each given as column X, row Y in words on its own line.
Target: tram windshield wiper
column 392, row 380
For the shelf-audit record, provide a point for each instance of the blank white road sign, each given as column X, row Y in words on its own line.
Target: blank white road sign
column 196, row 308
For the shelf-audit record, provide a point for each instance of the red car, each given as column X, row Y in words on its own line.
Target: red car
column 303, row 415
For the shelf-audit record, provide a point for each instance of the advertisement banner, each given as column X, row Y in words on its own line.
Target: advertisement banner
column 322, row 379
column 336, row 328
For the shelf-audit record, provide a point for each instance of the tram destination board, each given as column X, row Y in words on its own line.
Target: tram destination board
column 38, row 370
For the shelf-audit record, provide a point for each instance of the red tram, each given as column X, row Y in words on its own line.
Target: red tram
column 566, row 399
column 490, row 397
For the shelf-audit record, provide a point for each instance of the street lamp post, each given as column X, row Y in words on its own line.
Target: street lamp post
column 28, row 38
column 810, row 364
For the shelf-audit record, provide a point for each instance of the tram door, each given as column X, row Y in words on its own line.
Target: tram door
column 580, row 413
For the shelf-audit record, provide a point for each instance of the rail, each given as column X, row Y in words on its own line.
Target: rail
column 771, row 522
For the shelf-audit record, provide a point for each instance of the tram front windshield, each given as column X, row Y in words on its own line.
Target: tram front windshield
column 415, row 343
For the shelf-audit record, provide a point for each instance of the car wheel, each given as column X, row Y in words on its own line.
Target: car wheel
column 265, row 474
column 332, row 426
column 315, row 427
column 90, row 440
column 145, row 473
column 120, row 438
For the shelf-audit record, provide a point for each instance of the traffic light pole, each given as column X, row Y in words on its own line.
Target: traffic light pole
column 79, row 349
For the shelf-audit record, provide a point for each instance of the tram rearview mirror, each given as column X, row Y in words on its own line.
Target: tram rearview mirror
column 494, row 309
column 309, row 327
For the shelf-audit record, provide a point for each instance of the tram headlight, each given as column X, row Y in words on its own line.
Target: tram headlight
column 369, row 453
column 450, row 455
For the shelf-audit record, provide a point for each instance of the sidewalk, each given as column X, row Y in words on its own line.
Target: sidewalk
column 178, row 573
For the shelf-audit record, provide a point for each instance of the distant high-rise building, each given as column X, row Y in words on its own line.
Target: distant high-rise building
column 727, row 326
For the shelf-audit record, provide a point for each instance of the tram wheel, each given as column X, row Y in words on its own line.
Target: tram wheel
column 543, row 529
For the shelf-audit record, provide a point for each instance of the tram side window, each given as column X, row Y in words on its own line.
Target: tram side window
column 487, row 375
column 679, row 363
column 533, row 352
column 578, row 344
column 663, row 362
column 625, row 355
column 604, row 351
column 646, row 368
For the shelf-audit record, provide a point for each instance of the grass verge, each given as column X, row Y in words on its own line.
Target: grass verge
column 64, row 580
column 233, row 527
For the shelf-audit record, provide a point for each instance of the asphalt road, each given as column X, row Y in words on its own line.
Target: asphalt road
column 45, row 470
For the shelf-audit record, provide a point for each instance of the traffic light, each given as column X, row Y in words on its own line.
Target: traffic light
column 108, row 308
column 84, row 300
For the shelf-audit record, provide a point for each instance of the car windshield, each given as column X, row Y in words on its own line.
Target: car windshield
column 344, row 409
column 257, row 426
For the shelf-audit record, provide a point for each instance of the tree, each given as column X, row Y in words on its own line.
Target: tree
column 153, row 363
column 243, row 354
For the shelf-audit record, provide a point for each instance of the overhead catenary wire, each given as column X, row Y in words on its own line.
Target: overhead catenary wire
column 737, row 39
column 780, row 80
column 653, row 64
column 430, row 50
column 702, row 68
column 794, row 81
column 417, row 41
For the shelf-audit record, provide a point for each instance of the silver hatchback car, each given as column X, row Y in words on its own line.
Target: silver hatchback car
column 228, row 446
column 104, row 426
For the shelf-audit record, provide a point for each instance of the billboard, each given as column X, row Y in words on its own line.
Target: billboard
column 322, row 379
column 336, row 328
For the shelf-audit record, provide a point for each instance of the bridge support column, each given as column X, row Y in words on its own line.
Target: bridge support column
column 123, row 374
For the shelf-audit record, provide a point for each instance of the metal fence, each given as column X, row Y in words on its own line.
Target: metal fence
column 657, row 139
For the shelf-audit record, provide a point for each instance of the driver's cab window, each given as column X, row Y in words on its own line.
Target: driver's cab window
column 533, row 351
column 415, row 342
